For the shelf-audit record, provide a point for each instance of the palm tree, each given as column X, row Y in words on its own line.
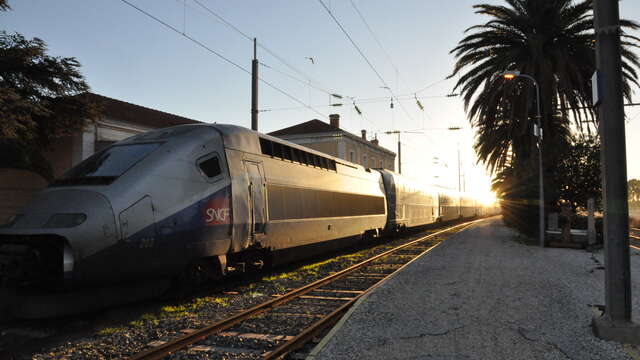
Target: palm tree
column 554, row 42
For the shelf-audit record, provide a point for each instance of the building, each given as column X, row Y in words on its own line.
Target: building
column 332, row 140
column 118, row 121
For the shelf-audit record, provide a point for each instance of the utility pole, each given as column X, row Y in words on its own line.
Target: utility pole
column 615, row 324
column 254, row 88
column 399, row 149
column 459, row 183
column 399, row 155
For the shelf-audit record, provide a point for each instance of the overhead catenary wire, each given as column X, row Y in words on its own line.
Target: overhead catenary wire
column 355, row 45
column 386, row 53
column 372, row 100
column 373, row 34
column 202, row 45
column 310, row 82
column 318, row 86
column 296, row 78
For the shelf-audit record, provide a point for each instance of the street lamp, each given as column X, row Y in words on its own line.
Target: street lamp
column 537, row 131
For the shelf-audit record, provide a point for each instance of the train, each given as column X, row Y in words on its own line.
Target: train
column 204, row 199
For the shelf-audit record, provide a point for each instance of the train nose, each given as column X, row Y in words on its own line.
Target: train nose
column 54, row 233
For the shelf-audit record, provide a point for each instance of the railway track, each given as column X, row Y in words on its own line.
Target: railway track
column 634, row 238
column 286, row 323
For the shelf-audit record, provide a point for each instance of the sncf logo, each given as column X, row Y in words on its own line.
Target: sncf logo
column 217, row 211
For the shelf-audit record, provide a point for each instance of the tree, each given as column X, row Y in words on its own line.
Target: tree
column 553, row 41
column 39, row 100
column 578, row 172
column 634, row 192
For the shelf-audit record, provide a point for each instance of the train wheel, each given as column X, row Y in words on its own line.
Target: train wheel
column 200, row 272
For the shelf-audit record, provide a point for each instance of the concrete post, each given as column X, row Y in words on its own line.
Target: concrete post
column 591, row 222
column 616, row 323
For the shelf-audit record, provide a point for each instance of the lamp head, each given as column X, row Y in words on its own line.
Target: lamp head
column 510, row 75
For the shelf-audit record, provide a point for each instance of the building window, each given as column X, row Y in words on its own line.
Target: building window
column 352, row 156
column 381, row 164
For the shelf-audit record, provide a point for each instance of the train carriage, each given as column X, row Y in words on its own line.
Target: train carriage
column 151, row 205
column 409, row 203
column 206, row 197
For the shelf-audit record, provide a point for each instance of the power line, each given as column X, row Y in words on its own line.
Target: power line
column 374, row 36
column 167, row 25
column 262, row 46
column 354, row 44
column 372, row 100
column 279, row 58
column 386, row 86
column 431, row 85
column 307, row 83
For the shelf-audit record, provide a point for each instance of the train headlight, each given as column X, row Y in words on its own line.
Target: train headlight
column 65, row 220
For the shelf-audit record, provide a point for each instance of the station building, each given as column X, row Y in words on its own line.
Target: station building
column 332, row 140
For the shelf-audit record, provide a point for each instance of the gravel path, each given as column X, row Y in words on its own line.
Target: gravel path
column 483, row 295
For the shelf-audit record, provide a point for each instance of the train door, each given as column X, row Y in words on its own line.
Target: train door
column 257, row 199
column 139, row 234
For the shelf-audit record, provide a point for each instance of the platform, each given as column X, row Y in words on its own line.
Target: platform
column 482, row 294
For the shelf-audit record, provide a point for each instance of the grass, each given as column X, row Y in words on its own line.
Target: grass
column 311, row 269
column 110, row 330
column 171, row 312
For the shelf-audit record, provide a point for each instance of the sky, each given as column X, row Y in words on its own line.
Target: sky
column 129, row 56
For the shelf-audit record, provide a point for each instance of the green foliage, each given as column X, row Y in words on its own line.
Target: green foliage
column 634, row 193
column 39, row 98
column 578, row 172
column 516, row 186
column 553, row 41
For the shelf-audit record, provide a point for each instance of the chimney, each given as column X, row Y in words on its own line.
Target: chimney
column 364, row 134
column 334, row 120
column 374, row 141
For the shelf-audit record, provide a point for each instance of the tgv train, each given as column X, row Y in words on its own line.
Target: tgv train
column 206, row 197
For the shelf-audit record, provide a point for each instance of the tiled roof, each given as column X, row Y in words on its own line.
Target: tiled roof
column 311, row 126
column 136, row 114
column 318, row 126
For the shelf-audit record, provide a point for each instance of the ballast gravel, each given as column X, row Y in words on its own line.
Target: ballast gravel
column 126, row 330
column 482, row 294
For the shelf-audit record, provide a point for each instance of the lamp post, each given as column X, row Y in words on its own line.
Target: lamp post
column 537, row 131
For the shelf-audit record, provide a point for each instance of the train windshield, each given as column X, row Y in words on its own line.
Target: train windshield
column 107, row 165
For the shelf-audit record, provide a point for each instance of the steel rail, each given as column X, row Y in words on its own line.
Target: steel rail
column 183, row 341
column 635, row 238
column 302, row 338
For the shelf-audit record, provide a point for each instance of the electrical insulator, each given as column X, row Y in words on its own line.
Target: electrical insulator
column 418, row 102
column 392, row 103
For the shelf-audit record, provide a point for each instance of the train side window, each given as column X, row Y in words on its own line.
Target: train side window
column 210, row 167
column 332, row 165
column 295, row 155
column 266, row 146
column 277, row 150
column 323, row 163
column 286, row 152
